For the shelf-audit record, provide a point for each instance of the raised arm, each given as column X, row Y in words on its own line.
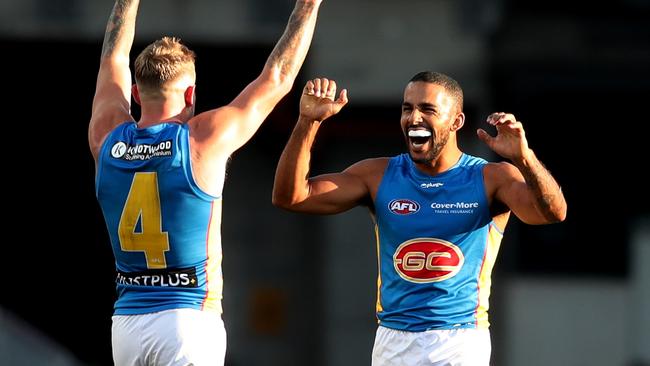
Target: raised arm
column 112, row 101
column 224, row 130
column 324, row 194
column 527, row 188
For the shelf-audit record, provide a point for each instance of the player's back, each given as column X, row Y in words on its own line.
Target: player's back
column 164, row 230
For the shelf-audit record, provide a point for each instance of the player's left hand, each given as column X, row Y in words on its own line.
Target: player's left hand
column 510, row 141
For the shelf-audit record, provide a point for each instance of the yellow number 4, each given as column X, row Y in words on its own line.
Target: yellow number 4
column 143, row 204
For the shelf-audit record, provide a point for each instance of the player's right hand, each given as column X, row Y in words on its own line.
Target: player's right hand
column 317, row 102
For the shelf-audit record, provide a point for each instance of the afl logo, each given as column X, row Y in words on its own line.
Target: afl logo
column 118, row 150
column 403, row 206
column 425, row 260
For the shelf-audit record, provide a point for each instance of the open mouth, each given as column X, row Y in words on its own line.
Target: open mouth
column 419, row 137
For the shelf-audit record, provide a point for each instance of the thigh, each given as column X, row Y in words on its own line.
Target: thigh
column 395, row 348
column 458, row 347
column 125, row 339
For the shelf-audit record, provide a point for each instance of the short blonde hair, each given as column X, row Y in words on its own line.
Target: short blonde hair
column 161, row 62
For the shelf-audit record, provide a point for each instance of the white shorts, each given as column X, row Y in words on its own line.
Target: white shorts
column 177, row 337
column 453, row 347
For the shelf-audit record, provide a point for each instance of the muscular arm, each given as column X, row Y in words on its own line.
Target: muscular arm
column 540, row 188
column 328, row 193
column 222, row 131
column 526, row 187
column 111, row 104
column 323, row 194
column 528, row 190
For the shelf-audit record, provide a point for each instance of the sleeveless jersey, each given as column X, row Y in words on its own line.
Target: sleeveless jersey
column 164, row 230
column 436, row 244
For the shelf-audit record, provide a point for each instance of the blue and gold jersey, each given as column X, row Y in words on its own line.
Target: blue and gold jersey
column 436, row 243
column 164, row 230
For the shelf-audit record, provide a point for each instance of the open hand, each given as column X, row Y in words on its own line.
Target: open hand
column 510, row 141
column 317, row 101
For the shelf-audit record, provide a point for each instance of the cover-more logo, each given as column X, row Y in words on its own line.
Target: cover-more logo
column 403, row 206
column 425, row 260
column 454, row 207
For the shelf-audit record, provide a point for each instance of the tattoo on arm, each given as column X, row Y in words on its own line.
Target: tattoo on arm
column 548, row 194
column 291, row 49
column 115, row 28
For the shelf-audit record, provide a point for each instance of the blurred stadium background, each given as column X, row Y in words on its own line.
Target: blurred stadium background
column 300, row 290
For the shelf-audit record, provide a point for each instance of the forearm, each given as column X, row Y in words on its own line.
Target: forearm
column 291, row 176
column 289, row 53
column 549, row 199
column 120, row 29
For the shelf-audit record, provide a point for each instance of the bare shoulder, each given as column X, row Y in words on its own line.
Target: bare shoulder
column 366, row 167
column 499, row 175
column 212, row 132
column 502, row 170
column 370, row 171
column 206, row 124
column 104, row 120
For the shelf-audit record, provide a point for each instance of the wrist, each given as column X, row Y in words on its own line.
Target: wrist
column 526, row 159
column 310, row 3
column 306, row 120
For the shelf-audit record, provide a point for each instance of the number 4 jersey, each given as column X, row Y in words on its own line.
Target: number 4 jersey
column 164, row 230
column 437, row 244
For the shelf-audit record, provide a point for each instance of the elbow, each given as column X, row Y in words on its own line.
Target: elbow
column 558, row 214
column 561, row 214
column 288, row 202
column 281, row 80
column 561, row 210
column 278, row 201
column 283, row 85
column 282, row 201
column 114, row 60
column 284, row 88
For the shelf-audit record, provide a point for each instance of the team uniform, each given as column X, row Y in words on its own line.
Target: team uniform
column 437, row 244
column 165, row 235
